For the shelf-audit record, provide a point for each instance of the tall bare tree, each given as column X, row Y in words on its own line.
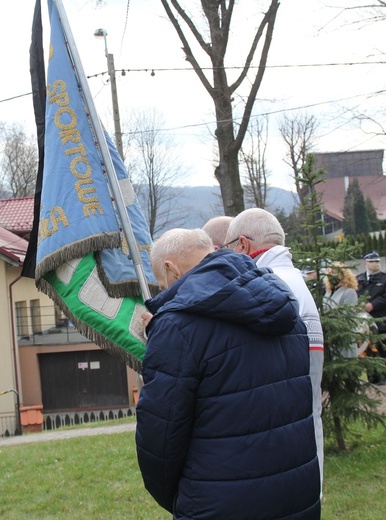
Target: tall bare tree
column 370, row 12
column 217, row 25
column 155, row 169
column 19, row 161
column 254, row 161
column 371, row 120
column 299, row 133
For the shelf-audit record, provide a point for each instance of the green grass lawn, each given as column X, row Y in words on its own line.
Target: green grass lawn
column 98, row 478
column 355, row 482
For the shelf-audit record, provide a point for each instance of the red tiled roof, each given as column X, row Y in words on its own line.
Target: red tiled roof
column 16, row 215
column 12, row 247
column 334, row 190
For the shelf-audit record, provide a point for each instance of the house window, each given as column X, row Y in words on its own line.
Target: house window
column 36, row 317
column 22, row 319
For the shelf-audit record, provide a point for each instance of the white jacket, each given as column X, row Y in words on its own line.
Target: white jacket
column 279, row 259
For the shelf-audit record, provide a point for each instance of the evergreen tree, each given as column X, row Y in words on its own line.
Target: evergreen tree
column 291, row 224
column 374, row 222
column 381, row 244
column 371, row 243
column 355, row 217
column 349, row 397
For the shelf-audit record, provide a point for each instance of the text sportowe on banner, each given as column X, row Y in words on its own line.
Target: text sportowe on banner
column 81, row 250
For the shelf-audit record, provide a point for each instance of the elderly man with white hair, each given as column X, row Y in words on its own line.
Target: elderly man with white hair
column 259, row 234
column 224, row 419
column 217, row 228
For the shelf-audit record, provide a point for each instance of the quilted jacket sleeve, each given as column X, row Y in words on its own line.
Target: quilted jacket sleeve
column 165, row 410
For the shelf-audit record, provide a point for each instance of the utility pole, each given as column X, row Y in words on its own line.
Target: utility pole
column 114, row 93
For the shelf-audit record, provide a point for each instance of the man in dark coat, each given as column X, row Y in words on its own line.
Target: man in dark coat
column 224, row 420
column 372, row 283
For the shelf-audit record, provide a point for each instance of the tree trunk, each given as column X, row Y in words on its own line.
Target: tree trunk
column 227, row 172
column 339, row 434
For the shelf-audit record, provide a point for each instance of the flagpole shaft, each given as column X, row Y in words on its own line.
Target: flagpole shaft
column 114, row 184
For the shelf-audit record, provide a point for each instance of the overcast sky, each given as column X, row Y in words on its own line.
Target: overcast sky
column 308, row 35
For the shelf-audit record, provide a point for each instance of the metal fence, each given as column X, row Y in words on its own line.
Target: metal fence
column 9, row 425
column 40, row 325
column 55, row 420
column 10, row 422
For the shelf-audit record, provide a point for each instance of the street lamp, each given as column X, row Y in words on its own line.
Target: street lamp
column 102, row 33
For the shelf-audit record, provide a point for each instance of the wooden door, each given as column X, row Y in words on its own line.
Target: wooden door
column 82, row 380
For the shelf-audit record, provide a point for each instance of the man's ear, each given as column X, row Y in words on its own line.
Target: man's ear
column 244, row 245
column 169, row 266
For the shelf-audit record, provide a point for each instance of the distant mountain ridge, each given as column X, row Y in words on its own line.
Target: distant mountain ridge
column 197, row 204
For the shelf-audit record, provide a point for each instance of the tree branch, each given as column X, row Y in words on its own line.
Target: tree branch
column 186, row 47
column 226, row 21
column 269, row 18
column 205, row 46
column 219, row 24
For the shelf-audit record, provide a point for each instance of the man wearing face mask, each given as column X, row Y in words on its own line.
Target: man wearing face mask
column 372, row 283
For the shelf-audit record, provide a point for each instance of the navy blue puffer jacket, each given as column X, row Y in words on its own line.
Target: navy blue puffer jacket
column 225, row 428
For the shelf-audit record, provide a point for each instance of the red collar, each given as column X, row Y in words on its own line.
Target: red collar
column 259, row 252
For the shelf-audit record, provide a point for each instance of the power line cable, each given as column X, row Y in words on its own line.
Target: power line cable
column 235, row 119
column 153, row 70
column 125, row 27
column 272, row 112
column 288, row 66
column 15, row 97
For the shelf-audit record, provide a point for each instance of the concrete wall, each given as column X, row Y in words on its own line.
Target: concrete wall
column 7, row 365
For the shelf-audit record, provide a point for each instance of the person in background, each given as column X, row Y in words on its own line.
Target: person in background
column 217, row 228
column 309, row 273
column 259, row 234
column 341, row 285
column 372, row 284
column 224, row 419
column 310, row 276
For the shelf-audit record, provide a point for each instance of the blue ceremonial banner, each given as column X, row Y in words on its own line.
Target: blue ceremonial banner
column 83, row 261
column 76, row 206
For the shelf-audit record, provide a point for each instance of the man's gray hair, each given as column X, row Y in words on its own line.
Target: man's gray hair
column 179, row 243
column 217, row 228
column 258, row 224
